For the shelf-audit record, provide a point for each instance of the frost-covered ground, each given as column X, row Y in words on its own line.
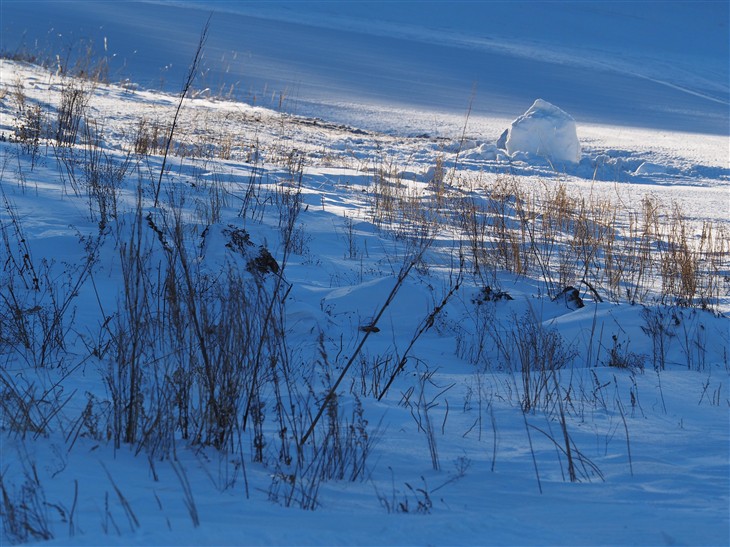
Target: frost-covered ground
column 361, row 174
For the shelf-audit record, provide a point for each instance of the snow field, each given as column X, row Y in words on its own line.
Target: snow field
column 632, row 389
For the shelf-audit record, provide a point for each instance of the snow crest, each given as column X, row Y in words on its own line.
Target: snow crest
column 545, row 130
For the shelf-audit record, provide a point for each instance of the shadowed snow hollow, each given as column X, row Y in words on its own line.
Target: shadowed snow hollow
column 545, row 130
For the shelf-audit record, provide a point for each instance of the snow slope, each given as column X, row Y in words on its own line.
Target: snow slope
column 623, row 64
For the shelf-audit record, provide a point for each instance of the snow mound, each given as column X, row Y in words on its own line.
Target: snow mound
column 484, row 151
column 648, row 168
column 545, row 130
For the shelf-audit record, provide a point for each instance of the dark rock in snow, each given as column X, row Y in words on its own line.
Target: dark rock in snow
column 570, row 297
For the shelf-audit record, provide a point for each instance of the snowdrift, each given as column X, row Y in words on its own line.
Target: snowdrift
column 545, row 130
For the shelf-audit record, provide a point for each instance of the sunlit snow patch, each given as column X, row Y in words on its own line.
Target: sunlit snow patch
column 545, row 130
column 484, row 151
column 648, row 168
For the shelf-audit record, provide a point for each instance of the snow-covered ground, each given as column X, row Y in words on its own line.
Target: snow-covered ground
column 357, row 144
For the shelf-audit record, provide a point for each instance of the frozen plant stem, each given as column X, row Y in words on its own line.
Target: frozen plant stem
column 186, row 87
column 426, row 324
column 399, row 282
